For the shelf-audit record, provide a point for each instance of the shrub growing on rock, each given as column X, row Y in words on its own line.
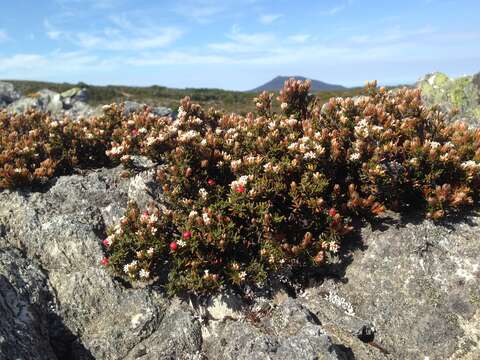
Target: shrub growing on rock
column 35, row 146
column 248, row 196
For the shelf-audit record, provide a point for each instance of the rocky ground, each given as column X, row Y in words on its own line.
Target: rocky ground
column 407, row 289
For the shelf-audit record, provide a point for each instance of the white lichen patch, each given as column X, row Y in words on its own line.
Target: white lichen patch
column 467, row 271
column 137, row 319
column 340, row 302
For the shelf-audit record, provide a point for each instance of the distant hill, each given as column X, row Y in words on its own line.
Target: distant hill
column 277, row 83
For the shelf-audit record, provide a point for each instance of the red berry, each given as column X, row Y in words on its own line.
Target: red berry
column 106, row 243
column 211, row 182
column 332, row 212
column 173, row 246
column 187, row 235
column 104, row 261
column 240, row 189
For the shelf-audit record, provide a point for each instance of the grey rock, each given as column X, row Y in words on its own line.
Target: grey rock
column 8, row 94
column 133, row 107
column 74, row 95
column 24, row 300
column 411, row 291
column 416, row 286
column 24, row 104
column 63, row 229
column 71, row 103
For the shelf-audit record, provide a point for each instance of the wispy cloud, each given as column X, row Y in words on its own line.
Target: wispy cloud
column 393, row 35
column 299, row 38
column 201, row 11
column 96, row 4
column 333, row 10
column 267, row 19
column 122, row 35
column 244, row 42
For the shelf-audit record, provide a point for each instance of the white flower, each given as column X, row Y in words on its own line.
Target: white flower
column 206, row 218
column 310, row 155
column 142, row 130
column 181, row 112
column 293, row 146
column 187, row 136
column 116, row 150
column 334, row 247
column 355, row 156
column 203, row 142
column 144, row 274
column 242, row 275
column 192, row 214
column 181, row 243
column 284, row 105
column 292, row 122
column 129, row 268
column 470, row 165
column 203, row 193
column 150, row 251
column 432, row 144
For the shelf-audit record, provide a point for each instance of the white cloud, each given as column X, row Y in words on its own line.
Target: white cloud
column 269, row 18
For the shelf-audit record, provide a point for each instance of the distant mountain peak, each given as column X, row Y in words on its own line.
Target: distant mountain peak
column 276, row 84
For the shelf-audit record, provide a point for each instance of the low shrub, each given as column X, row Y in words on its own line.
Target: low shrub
column 245, row 197
column 35, row 147
column 248, row 196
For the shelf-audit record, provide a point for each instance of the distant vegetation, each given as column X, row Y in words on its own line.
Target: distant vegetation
column 231, row 101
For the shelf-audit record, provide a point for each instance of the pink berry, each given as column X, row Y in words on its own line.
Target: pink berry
column 104, row 261
column 187, row 235
column 106, row 243
column 240, row 189
column 173, row 246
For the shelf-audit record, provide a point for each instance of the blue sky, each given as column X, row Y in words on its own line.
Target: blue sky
column 237, row 44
